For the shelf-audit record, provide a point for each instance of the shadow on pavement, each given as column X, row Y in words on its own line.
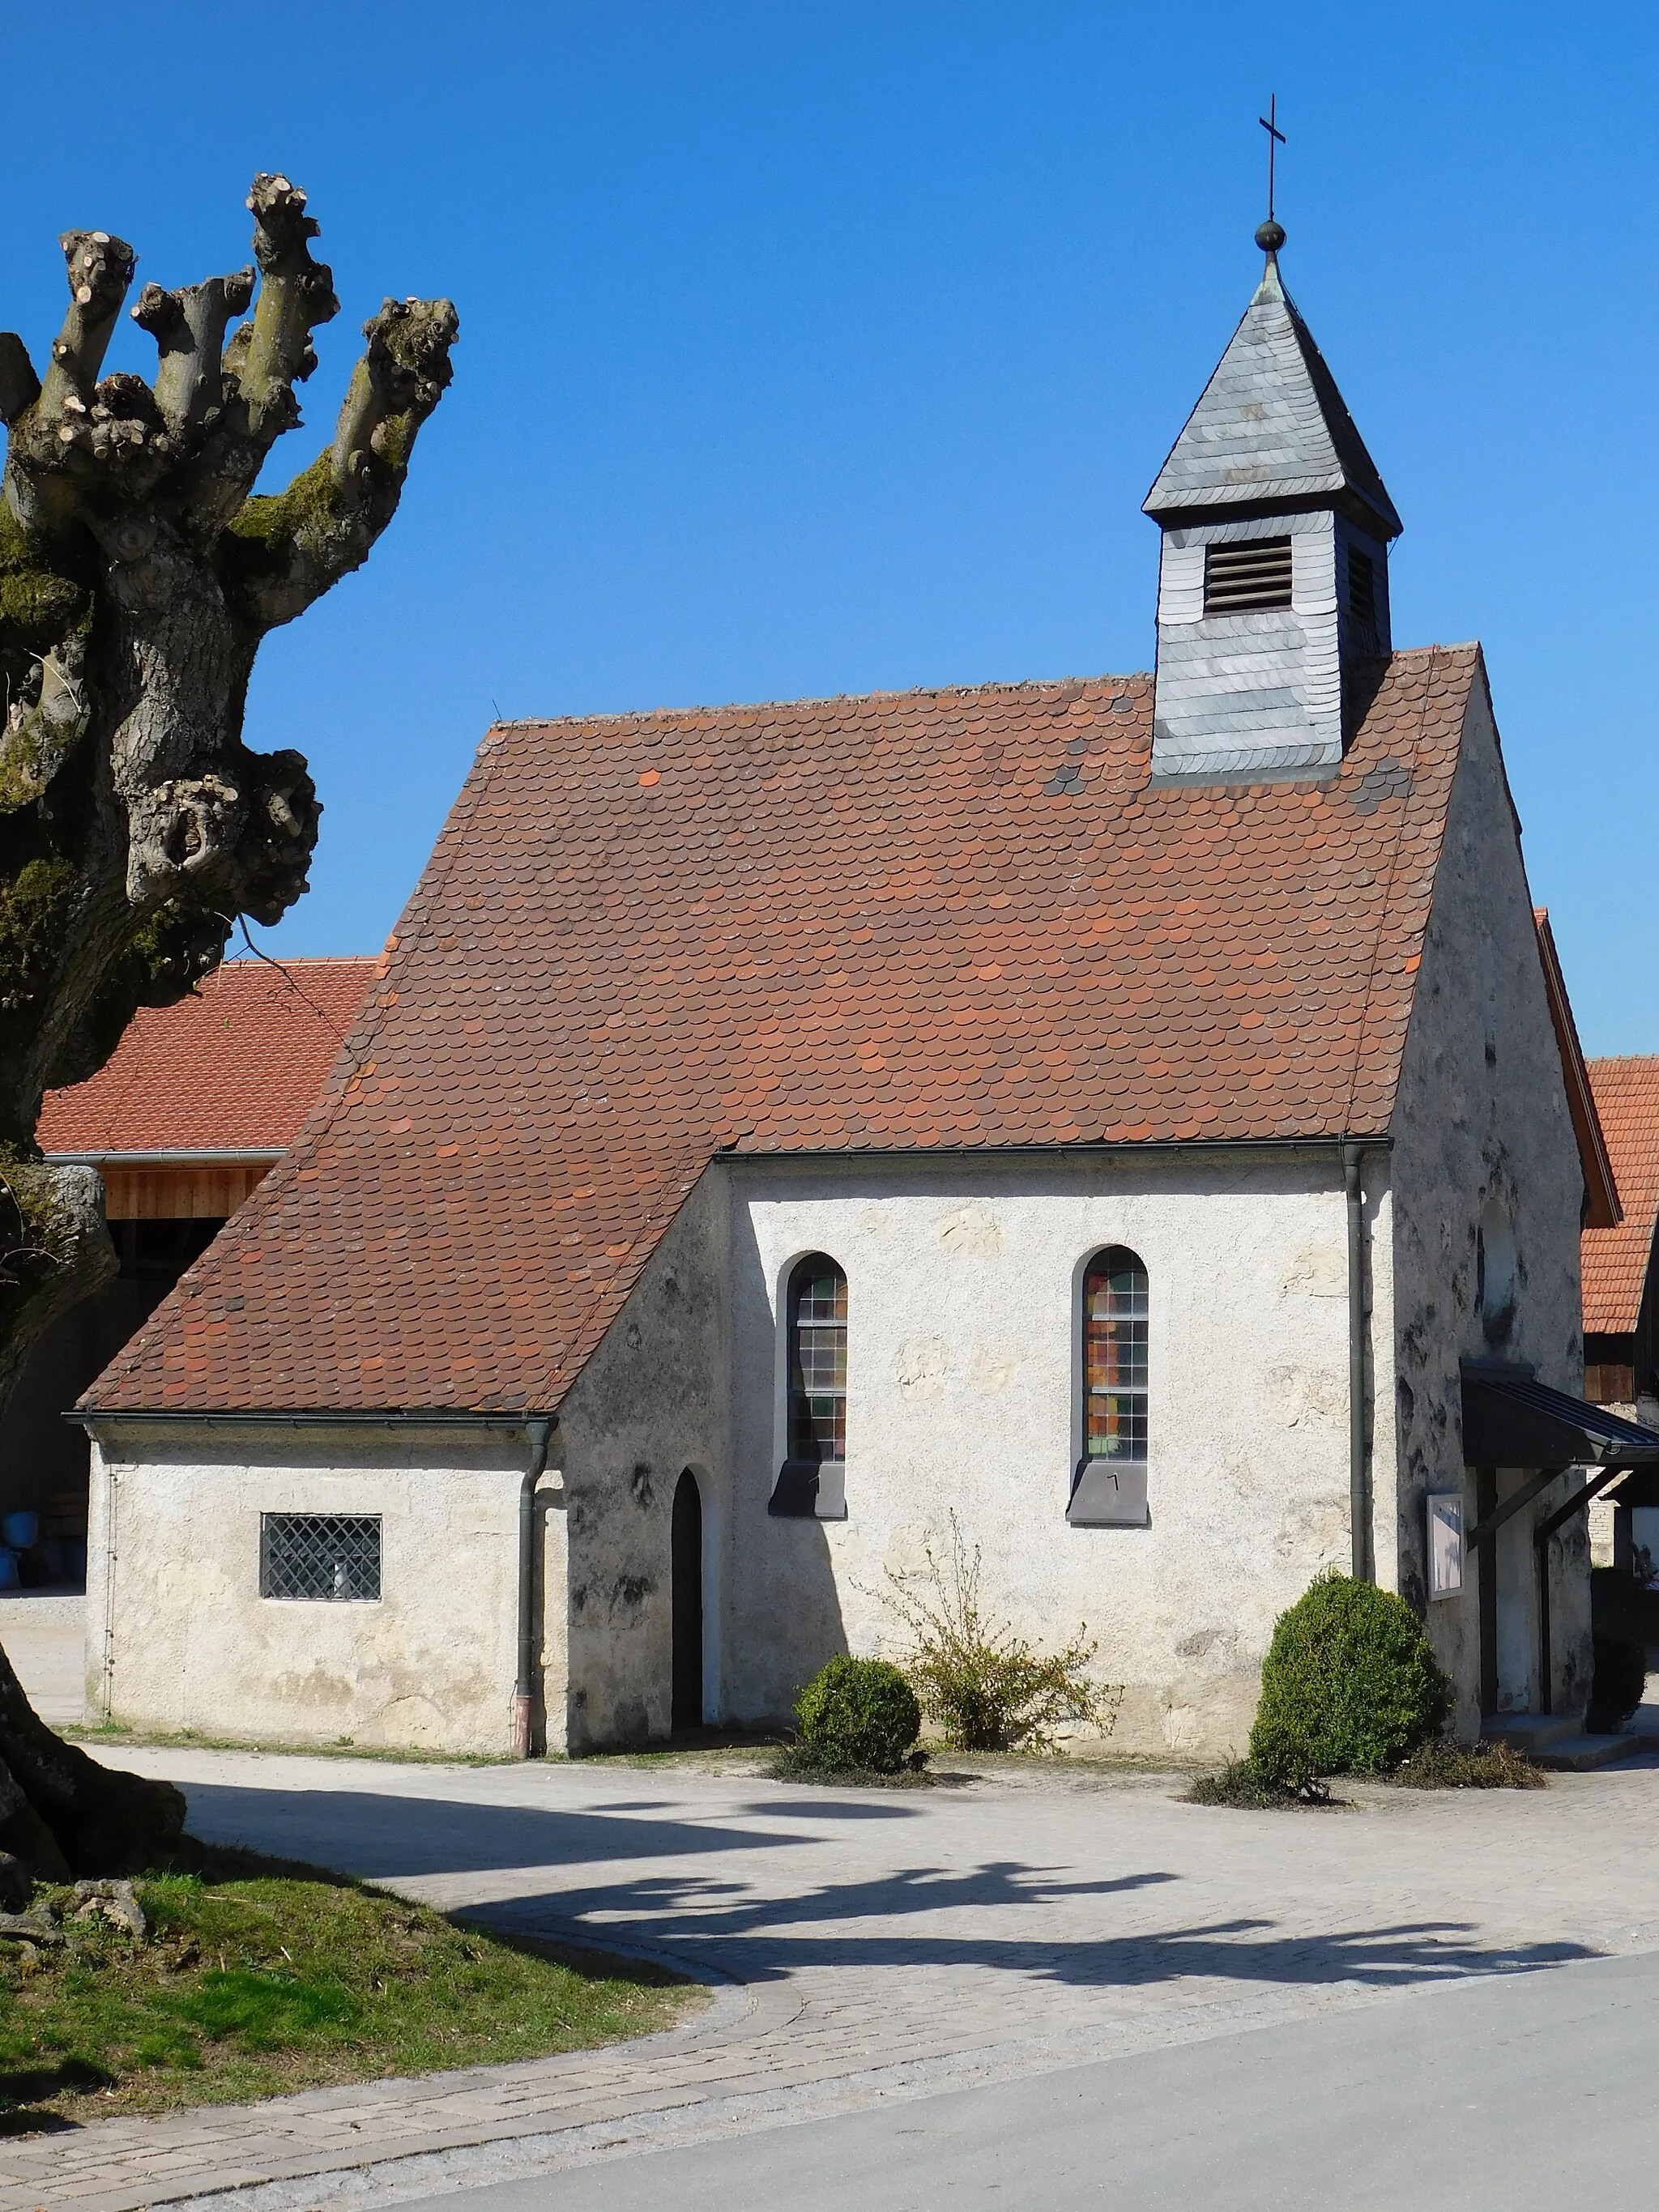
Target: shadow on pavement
column 1003, row 1911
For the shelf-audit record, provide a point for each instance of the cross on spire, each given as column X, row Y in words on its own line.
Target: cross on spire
column 1276, row 138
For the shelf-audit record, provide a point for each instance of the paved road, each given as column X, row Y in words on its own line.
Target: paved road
column 880, row 1950
column 1530, row 2094
column 42, row 1633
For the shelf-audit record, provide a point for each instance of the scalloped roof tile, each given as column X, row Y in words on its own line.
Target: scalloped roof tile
column 1615, row 1261
column 236, row 1066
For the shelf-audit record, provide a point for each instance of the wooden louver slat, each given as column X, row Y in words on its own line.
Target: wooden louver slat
column 1362, row 586
column 1251, row 578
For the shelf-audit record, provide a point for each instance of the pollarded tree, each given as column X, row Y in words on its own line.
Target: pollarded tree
column 138, row 572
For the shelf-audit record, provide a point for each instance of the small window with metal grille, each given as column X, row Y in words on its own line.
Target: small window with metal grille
column 1361, row 587
column 321, row 1555
column 1250, row 579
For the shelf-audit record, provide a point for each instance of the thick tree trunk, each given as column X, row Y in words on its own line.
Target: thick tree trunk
column 138, row 574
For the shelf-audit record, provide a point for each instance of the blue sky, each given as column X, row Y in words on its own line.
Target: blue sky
column 816, row 348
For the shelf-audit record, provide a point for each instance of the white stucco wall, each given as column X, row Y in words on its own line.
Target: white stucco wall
column 178, row 1636
column 1482, row 1115
column 964, row 1393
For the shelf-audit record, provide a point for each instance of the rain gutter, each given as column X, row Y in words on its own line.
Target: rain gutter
column 1359, row 1485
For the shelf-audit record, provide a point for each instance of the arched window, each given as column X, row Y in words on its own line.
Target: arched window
column 1494, row 1269
column 1109, row 1485
column 817, row 1359
column 810, row 1482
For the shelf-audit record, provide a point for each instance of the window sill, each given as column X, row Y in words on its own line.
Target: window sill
column 1109, row 1494
column 809, row 1489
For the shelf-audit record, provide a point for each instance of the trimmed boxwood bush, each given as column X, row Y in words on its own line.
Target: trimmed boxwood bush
column 1349, row 1687
column 858, row 1713
column 1621, row 1675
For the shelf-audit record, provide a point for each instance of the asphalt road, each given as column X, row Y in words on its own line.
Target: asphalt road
column 1533, row 2092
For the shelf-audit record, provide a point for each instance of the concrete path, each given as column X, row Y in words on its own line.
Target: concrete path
column 886, row 1945
column 1512, row 2096
column 43, row 1634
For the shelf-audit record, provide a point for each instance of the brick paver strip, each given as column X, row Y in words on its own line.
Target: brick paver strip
column 861, row 1945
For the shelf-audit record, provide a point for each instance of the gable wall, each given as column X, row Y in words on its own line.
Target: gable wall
column 1481, row 1114
column 652, row 1402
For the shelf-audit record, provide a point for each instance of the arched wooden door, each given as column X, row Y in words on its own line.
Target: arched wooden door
column 686, row 1602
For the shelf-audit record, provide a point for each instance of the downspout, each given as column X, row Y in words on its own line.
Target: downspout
column 1359, row 1501
column 524, row 1695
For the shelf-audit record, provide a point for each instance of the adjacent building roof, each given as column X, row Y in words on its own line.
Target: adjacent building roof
column 1615, row 1260
column 1271, row 426
column 235, row 1068
column 917, row 921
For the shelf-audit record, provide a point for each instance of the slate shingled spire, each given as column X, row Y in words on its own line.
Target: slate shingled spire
column 1273, row 596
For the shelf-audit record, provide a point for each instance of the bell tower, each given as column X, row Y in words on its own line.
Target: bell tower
column 1273, row 598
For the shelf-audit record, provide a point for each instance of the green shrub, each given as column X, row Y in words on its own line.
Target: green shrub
column 858, row 1713
column 985, row 1687
column 1621, row 1676
column 1349, row 1685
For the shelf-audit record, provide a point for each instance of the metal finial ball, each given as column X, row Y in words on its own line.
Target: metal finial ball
column 1270, row 235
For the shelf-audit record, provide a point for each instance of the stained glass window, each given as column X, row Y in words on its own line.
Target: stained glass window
column 818, row 1360
column 1114, row 1357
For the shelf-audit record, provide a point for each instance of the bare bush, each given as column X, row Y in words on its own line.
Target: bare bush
column 975, row 1677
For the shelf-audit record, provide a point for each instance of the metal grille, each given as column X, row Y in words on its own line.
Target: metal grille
column 1361, row 587
column 321, row 1555
column 1115, row 1301
column 818, row 1360
column 1248, row 579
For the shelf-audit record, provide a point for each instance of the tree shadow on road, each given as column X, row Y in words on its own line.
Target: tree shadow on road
column 1037, row 1922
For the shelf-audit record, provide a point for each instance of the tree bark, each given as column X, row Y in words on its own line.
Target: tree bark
column 139, row 572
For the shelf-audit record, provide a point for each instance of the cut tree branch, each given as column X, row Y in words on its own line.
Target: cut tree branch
column 297, row 294
column 394, row 387
column 286, row 550
column 100, row 270
column 266, row 357
column 188, row 327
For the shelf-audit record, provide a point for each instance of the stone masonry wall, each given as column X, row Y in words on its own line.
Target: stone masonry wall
column 1481, row 1119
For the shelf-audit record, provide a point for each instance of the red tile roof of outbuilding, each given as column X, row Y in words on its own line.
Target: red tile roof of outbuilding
column 920, row 920
column 1616, row 1260
column 235, row 1067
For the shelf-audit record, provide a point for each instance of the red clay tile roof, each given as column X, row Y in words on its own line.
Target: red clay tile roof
column 1616, row 1260
column 918, row 920
column 235, row 1067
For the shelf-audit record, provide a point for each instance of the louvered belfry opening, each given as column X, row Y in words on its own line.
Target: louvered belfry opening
column 1361, row 587
column 1248, row 579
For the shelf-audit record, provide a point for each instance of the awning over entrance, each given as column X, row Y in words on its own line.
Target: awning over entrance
column 1510, row 1420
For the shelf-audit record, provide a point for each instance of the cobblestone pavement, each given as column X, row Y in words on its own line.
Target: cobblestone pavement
column 867, row 1944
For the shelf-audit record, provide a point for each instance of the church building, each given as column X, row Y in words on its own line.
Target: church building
column 1125, row 1113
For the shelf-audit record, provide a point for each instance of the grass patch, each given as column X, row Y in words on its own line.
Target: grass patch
column 1468, row 1766
column 115, row 1732
column 261, row 1977
column 1238, row 1783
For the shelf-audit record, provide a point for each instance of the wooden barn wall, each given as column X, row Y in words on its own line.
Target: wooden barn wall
column 181, row 1193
